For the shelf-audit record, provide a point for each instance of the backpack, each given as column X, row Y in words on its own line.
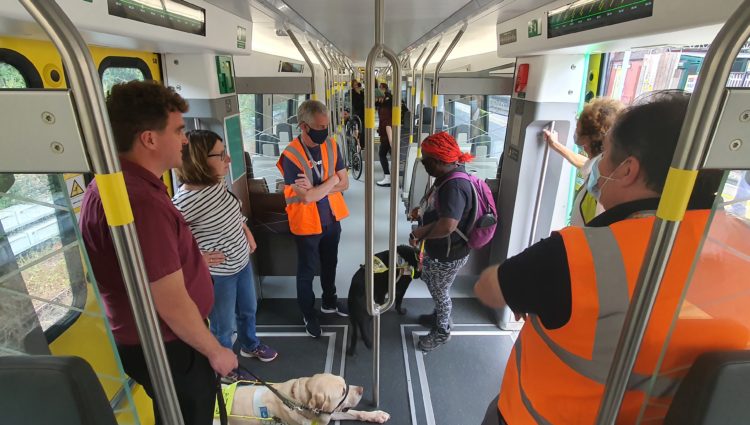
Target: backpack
column 482, row 229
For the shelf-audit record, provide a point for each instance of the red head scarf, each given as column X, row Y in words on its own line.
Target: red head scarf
column 444, row 147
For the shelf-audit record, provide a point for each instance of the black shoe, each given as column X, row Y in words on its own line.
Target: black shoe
column 339, row 308
column 312, row 327
column 433, row 340
column 428, row 320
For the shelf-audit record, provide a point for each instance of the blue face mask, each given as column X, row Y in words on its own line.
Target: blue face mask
column 592, row 183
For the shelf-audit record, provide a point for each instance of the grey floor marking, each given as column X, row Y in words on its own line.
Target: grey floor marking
column 421, row 370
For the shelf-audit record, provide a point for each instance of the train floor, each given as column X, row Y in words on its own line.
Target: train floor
column 451, row 385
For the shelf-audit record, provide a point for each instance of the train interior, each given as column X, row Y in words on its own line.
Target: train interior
column 492, row 73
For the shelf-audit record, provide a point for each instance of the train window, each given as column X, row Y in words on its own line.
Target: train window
column 269, row 123
column 40, row 259
column 114, row 76
column 117, row 69
column 17, row 72
column 10, row 77
column 248, row 117
column 478, row 123
column 630, row 74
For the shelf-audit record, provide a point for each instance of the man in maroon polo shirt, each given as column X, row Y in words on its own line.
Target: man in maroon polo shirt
column 149, row 133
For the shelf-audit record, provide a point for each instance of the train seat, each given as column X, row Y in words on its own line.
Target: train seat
column 715, row 391
column 52, row 390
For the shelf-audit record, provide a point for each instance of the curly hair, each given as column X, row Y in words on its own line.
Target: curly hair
column 139, row 106
column 195, row 169
column 597, row 118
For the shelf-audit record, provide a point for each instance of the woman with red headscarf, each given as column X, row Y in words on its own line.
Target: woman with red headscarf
column 446, row 207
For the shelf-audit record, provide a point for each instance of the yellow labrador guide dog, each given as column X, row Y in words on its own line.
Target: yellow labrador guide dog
column 303, row 401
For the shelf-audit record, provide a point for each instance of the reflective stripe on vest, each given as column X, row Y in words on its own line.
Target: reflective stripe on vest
column 584, row 354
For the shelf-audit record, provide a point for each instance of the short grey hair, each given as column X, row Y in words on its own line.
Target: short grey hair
column 309, row 109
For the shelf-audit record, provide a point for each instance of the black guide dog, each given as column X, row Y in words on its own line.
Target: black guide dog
column 361, row 321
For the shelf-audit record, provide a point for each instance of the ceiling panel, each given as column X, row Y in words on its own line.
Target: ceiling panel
column 349, row 24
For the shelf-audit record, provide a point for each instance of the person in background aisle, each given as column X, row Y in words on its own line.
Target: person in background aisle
column 446, row 207
column 385, row 131
column 358, row 109
column 215, row 218
column 149, row 132
column 593, row 123
column 314, row 179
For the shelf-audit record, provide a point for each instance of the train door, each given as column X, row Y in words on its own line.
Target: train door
column 51, row 305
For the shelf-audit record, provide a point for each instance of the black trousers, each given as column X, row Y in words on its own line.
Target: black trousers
column 323, row 248
column 385, row 148
column 194, row 380
column 493, row 416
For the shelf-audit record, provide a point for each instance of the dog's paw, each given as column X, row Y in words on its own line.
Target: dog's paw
column 379, row 416
column 401, row 311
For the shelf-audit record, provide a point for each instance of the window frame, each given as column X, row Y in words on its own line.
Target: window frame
column 24, row 66
column 125, row 62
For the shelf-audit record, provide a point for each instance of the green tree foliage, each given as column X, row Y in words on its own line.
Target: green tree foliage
column 114, row 76
column 10, row 77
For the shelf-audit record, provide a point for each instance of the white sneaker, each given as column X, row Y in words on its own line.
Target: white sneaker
column 385, row 182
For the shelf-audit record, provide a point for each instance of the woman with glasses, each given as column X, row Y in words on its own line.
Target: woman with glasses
column 595, row 120
column 214, row 216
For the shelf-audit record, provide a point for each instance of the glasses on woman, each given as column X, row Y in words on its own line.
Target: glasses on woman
column 221, row 155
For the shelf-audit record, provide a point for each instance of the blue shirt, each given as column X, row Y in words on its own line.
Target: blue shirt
column 291, row 172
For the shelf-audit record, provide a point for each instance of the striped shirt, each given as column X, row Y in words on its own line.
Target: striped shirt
column 215, row 218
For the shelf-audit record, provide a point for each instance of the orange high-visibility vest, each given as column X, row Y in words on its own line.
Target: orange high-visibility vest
column 557, row 377
column 304, row 218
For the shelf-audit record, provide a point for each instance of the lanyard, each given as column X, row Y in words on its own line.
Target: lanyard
column 316, row 166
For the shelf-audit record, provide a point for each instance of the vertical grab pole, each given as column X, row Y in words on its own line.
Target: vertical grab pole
column 703, row 110
column 372, row 308
column 331, row 90
column 326, row 88
column 413, row 96
column 435, row 79
column 100, row 147
column 423, row 97
column 302, row 51
column 540, row 190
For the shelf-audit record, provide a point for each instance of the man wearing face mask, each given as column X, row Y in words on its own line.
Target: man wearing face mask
column 314, row 179
column 574, row 288
column 447, row 207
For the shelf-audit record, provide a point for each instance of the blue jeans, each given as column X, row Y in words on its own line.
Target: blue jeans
column 312, row 250
column 235, row 304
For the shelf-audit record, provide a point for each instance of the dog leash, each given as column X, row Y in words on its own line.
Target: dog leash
column 223, row 419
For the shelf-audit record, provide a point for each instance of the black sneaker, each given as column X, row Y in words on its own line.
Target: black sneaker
column 340, row 308
column 312, row 327
column 433, row 340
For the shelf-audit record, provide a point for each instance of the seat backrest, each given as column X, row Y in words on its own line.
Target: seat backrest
column 715, row 391
column 284, row 132
column 51, row 390
column 257, row 185
column 439, row 121
column 249, row 165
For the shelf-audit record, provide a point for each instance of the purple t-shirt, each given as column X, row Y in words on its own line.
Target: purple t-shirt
column 166, row 242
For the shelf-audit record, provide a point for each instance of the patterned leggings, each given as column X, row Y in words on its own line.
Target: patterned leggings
column 439, row 277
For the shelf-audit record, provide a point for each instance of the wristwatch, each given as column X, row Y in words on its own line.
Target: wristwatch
column 412, row 237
